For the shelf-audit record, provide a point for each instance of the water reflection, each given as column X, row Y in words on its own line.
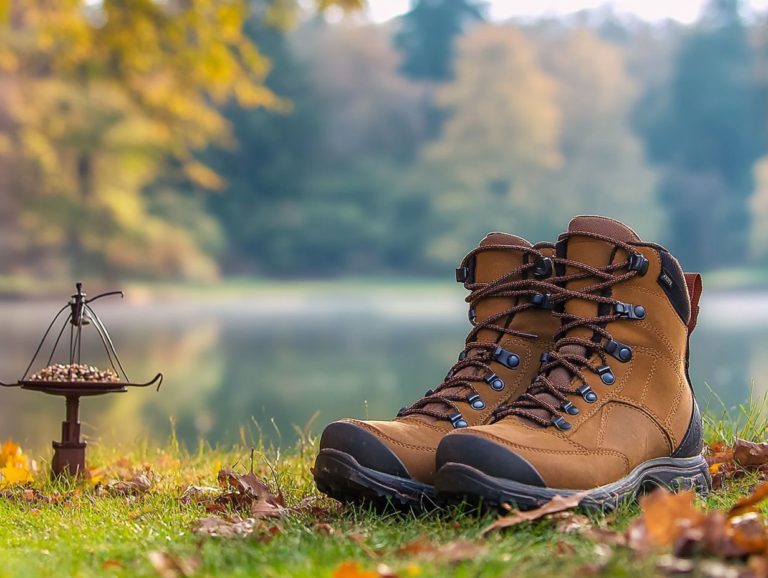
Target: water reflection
column 239, row 363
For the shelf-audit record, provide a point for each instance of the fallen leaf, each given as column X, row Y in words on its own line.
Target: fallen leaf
column 556, row 504
column 198, row 494
column 569, row 522
column 249, row 493
column 750, row 454
column 169, row 566
column 136, row 486
column 665, row 516
column 352, row 570
column 13, row 476
column 450, row 553
column 325, row 529
column 111, row 564
column 748, row 503
column 233, row 527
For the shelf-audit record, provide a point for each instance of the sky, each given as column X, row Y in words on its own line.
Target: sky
column 682, row 10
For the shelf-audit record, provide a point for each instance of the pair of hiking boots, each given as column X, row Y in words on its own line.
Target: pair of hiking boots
column 573, row 379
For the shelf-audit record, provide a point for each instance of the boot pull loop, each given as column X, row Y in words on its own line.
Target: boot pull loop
column 693, row 281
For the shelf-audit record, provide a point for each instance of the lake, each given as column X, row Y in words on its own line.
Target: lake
column 264, row 365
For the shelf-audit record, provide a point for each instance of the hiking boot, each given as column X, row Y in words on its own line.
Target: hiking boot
column 512, row 325
column 612, row 410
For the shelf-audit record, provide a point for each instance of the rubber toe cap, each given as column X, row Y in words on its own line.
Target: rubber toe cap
column 367, row 449
column 488, row 457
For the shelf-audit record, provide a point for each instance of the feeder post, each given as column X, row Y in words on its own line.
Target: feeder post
column 69, row 453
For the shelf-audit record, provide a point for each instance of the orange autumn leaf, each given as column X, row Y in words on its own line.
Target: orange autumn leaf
column 749, row 503
column 555, row 505
column 664, row 519
column 13, row 475
column 352, row 570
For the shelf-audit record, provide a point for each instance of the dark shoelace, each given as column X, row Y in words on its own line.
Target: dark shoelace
column 576, row 364
column 478, row 354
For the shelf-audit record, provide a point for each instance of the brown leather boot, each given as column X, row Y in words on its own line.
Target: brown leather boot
column 612, row 411
column 394, row 461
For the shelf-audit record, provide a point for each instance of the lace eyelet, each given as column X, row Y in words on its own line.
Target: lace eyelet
column 458, row 421
column 541, row 300
column 561, row 424
column 606, row 375
column 638, row 262
column 506, row 358
column 475, row 402
column 587, row 393
column 619, row 350
column 629, row 311
column 569, row 408
column 543, row 267
column 545, row 358
column 496, row 383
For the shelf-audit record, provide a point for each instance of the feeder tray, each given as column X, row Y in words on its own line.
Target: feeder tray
column 69, row 454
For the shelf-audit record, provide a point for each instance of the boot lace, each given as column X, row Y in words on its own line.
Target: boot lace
column 531, row 403
column 479, row 354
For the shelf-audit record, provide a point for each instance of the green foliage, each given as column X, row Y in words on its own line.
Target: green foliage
column 427, row 34
column 700, row 127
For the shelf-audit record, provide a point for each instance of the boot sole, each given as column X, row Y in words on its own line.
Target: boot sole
column 461, row 483
column 339, row 475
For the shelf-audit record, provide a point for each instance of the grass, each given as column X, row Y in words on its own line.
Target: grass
column 91, row 535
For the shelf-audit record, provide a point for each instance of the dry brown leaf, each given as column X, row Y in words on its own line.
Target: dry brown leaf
column 450, row 553
column 748, row 503
column 169, row 566
column 233, row 527
column 250, row 493
column 136, row 486
column 198, row 494
column 748, row 533
column 325, row 529
column 750, row 454
column 665, row 516
column 556, row 504
column 570, row 522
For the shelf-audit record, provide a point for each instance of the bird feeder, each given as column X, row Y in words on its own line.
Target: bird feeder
column 75, row 380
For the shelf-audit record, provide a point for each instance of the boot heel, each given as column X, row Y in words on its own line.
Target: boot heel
column 680, row 475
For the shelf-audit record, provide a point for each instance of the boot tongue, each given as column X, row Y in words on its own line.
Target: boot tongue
column 598, row 254
column 490, row 265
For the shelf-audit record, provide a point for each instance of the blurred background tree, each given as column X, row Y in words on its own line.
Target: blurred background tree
column 427, row 34
column 700, row 127
column 278, row 138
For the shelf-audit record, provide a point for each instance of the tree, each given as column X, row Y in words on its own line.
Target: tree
column 500, row 139
column 427, row 33
column 314, row 190
column 99, row 96
column 700, row 127
column 603, row 169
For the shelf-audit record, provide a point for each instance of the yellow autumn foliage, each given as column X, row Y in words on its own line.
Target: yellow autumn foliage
column 16, row 466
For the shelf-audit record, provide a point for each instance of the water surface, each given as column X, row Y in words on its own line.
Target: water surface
column 270, row 362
